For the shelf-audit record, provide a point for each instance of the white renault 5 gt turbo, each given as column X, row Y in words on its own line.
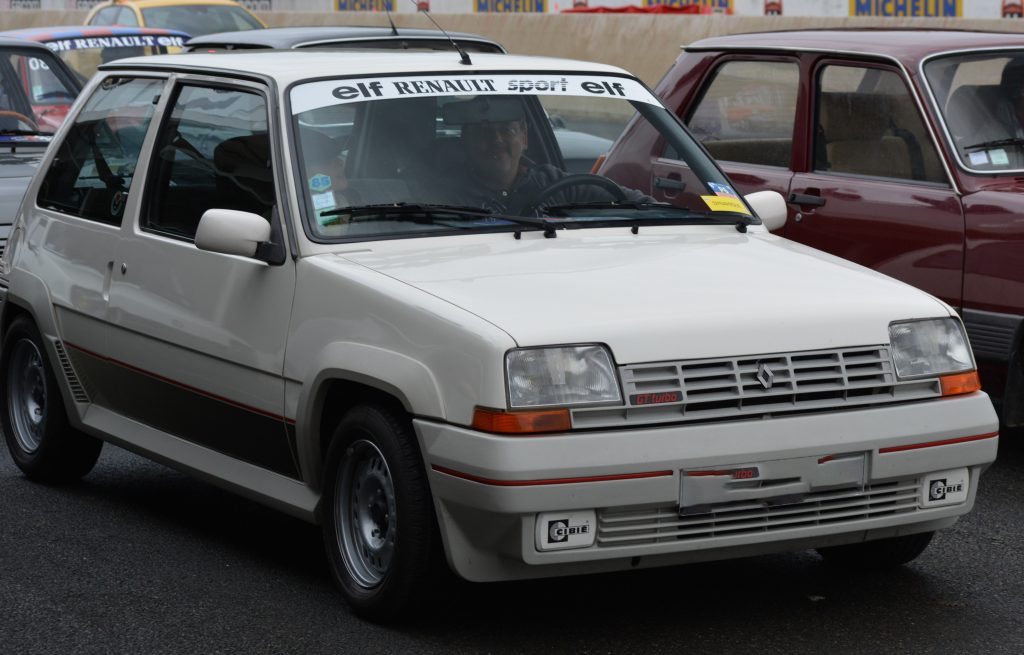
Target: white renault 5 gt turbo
column 363, row 290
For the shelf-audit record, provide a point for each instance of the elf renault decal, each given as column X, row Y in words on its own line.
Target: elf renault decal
column 332, row 92
column 137, row 40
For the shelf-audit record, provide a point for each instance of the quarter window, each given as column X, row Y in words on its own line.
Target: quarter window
column 92, row 172
column 214, row 152
column 746, row 113
column 867, row 123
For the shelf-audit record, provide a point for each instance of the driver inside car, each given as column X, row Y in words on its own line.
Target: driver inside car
column 495, row 174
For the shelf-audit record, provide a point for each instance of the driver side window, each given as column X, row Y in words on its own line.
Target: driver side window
column 213, row 152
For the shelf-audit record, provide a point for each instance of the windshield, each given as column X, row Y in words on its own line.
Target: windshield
column 84, row 54
column 34, row 97
column 395, row 156
column 981, row 98
column 198, row 20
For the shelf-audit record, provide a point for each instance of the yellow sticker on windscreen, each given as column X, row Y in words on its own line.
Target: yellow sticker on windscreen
column 724, row 204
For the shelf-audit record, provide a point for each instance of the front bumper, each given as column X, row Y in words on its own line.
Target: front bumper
column 488, row 490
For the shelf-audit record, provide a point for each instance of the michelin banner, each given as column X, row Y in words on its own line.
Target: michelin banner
column 902, row 8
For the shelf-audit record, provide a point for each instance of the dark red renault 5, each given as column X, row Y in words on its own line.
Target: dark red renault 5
column 899, row 150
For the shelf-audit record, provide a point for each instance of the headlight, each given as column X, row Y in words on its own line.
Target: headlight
column 929, row 347
column 559, row 376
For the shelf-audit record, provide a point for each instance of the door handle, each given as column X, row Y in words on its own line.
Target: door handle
column 669, row 183
column 806, row 200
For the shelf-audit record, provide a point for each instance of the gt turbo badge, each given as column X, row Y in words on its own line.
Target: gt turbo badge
column 561, row 530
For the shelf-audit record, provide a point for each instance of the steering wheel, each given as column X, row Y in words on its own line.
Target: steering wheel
column 21, row 118
column 572, row 181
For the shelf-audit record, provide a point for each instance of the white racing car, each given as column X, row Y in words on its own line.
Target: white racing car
column 426, row 336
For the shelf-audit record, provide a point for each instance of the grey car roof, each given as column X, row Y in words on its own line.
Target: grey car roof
column 283, row 38
column 11, row 42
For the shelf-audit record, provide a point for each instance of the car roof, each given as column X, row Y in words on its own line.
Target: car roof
column 291, row 37
column 288, row 66
column 13, row 42
column 907, row 46
column 55, row 33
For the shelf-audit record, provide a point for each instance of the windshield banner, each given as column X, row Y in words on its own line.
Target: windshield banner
column 334, row 92
column 90, row 43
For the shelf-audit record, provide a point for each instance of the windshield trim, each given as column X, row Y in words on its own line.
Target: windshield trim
column 941, row 116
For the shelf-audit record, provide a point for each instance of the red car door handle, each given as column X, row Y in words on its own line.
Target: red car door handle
column 806, row 200
column 669, row 183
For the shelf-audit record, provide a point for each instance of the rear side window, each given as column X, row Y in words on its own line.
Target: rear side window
column 213, row 152
column 92, row 172
column 746, row 113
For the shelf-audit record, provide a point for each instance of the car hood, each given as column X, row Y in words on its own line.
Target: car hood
column 678, row 293
column 16, row 172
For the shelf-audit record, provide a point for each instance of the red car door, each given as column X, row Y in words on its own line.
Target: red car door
column 877, row 192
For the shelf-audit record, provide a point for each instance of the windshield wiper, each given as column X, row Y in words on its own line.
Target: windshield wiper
column 682, row 216
column 424, row 213
column 1012, row 141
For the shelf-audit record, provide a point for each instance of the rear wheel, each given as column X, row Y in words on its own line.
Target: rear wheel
column 878, row 554
column 42, row 442
column 379, row 527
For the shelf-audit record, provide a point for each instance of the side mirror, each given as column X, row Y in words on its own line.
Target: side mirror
column 770, row 206
column 231, row 232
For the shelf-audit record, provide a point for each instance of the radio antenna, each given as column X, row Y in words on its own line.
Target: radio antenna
column 394, row 30
column 463, row 57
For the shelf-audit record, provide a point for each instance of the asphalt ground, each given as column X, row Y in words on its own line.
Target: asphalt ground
column 138, row 558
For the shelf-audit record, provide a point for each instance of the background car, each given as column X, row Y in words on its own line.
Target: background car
column 36, row 91
column 902, row 172
column 84, row 48
column 189, row 16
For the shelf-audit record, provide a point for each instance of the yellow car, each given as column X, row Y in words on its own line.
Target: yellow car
column 196, row 17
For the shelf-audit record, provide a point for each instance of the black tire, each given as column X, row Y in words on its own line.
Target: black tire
column 42, row 442
column 378, row 523
column 878, row 554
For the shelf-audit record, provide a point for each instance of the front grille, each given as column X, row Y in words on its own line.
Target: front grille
column 729, row 388
column 665, row 525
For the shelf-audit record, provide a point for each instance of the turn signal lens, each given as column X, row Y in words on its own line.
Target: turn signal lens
column 548, row 420
column 954, row 385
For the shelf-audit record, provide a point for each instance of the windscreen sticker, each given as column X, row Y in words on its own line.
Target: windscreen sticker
column 723, row 204
column 323, row 200
column 978, row 158
column 91, row 43
column 723, row 190
column 315, row 95
column 999, row 157
column 319, row 183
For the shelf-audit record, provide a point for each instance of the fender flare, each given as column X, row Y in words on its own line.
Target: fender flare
column 390, row 372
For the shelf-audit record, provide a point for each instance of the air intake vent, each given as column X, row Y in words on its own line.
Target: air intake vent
column 77, row 390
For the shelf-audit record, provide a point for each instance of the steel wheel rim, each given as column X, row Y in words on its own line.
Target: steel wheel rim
column 366, row 521
column 26, row 395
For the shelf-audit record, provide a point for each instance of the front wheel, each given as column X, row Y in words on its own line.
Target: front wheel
column 42, row 443
column 379, row 527
column 878, row 554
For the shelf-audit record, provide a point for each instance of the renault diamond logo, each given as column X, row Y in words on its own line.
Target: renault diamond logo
column 764, row 375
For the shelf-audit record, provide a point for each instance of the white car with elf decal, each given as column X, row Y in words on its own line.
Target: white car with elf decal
column 354, row 290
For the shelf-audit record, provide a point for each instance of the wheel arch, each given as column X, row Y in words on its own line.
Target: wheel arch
column 351, row 375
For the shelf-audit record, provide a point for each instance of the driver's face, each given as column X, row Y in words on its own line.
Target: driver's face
column 494, row 150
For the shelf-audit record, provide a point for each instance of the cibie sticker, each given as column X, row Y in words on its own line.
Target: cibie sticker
column 315, row 95
column 560, row 530
column 723, row 190
column 319, row 183
column 723, row 204
column 945, row 488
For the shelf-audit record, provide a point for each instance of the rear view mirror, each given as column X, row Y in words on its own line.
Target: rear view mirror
column 231, row 232
column 770, row 206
